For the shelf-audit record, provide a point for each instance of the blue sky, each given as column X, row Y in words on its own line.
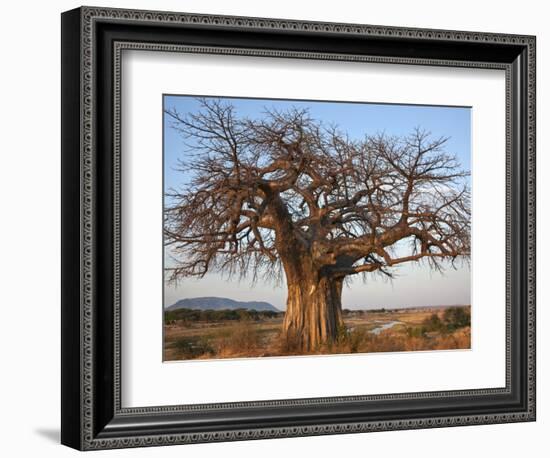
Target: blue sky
column 415, row 284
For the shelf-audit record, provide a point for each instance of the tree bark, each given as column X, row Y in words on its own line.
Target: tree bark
column 314, row 308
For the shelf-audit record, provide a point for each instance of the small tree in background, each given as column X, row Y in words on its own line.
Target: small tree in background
column 456, row 317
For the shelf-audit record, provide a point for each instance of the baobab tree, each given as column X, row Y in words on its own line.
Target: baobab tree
column 286, row 193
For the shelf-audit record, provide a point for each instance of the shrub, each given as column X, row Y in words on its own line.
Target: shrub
column 433, row 323
column 357, row 339
column 417, row 331
column 453, row 318
column 348, row 341
column 240, row 338
column 193, row 347
column 289, row 344
column 208, row 316
column 456, row 318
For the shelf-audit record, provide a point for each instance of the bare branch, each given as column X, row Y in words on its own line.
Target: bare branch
column 262, row 194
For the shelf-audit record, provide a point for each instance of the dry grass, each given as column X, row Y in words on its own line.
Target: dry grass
column 388, row 341
column 239, row 339
column 246, row 338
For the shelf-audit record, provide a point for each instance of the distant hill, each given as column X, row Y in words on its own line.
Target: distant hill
column 220, row 303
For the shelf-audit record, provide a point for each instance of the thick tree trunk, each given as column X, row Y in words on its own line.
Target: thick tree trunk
column 314, row 309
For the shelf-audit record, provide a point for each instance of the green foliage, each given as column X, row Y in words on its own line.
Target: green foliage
column 193, row 347
column 453, row 318
column 457, row 317
column 433, row 323
column 380, row 310
column 209, row 316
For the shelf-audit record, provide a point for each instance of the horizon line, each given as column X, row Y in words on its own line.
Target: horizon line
column 350, row 308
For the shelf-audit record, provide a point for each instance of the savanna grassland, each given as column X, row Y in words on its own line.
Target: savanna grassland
column 213, row 334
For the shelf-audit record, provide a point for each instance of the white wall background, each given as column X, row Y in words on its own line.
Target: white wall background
column 30, row 240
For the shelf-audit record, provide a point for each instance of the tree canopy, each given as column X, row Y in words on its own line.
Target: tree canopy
column 261, row 189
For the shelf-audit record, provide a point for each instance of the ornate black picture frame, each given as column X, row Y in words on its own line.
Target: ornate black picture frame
column 92, row 42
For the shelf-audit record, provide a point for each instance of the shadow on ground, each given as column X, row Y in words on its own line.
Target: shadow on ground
column 52, row 435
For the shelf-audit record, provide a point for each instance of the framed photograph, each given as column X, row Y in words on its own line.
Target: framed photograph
column 276, row 228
